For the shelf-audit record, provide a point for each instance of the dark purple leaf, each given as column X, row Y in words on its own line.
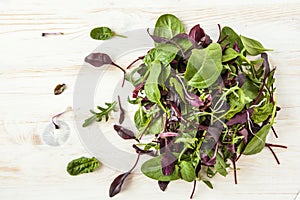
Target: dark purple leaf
column 196, row 34
column 168, row 163
column 193, row 100
column 124, row 132
column 206, row 41
column 266, row 64
column 148, row 106
column 206, row 160
column 162, row 144
column 137, row 89
column 116, row 185
column 241, row 117
column 98, row 59
column 142, row 151
column 163, row 185
column 59, row 89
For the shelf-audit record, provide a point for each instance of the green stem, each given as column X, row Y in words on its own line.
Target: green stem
column 122, row 36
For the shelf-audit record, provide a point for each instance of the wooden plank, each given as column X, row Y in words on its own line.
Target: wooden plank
column 31, row 66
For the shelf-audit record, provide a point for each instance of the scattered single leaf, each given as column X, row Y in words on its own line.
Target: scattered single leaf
column 59, row 89
column 82, row 165
column 117, row 184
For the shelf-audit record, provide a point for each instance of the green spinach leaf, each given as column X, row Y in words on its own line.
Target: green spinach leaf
column 257, row 143
column 187, row 171
column 229, row 54
column 231, row 37
column 153, row 169
column 168, row 26
column 82, row 165
column 103, row 33
column 252, row 46
column 204, row 66
column 151, row 86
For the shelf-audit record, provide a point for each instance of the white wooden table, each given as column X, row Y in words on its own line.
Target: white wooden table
column 32, row 65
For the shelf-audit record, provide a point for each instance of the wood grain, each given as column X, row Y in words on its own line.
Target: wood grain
column 32, row 65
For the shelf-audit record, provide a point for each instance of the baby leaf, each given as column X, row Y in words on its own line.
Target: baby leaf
column 250, row 89
column 220, row 165
column 168, row 163
column 124, row 133
column 82, row 165
column 237, row 102
column 257, row 143
column 59, row 89
column 153, row 169
column 117, row 184
column 151, row 86
column 187, row 171
column 164, row 53
column 253, row 47
column 229, row 54
column 103, row 33
column 204, row 66
column 155, row 126
column 178, row 88
column 167, row 26
column 163, row 185
column 208, row 183
column 196, row 34
column 230, row 37
column 98, row 59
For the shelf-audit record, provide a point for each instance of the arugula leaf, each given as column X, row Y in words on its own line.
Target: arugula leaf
column 257, row 143
column 167, row 26
column 98, row 116
column 253, row 47
column 204, row 66
column 82, row 165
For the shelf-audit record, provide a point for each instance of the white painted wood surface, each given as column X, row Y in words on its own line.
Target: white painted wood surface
column 31, row 66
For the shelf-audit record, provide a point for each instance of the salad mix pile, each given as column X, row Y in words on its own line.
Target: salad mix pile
column 204, row 103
